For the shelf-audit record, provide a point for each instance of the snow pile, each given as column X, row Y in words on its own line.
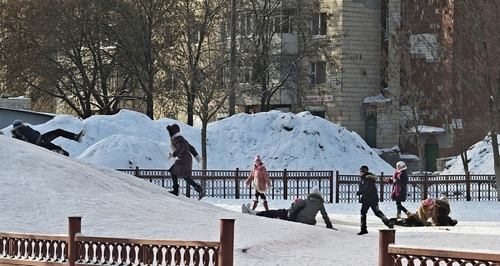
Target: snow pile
column 283, row 140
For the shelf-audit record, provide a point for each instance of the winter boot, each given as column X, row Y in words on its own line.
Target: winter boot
column 255, row 205
column 408, row 214
column 61, row 151
column 363, row 225
column 398, row 214
column 363, row 231
column 175, row 191
column 79, row 137
column 201, row 192
column 265, row 205
column 388, row 222
column 247, row 209
column 453, row 222
column 244, row 208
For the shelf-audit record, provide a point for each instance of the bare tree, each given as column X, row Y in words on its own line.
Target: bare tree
column 199, row 58
column 141, row 33
column 420, row 53
column 476, row 49
column 274, row 37
column 64, row 57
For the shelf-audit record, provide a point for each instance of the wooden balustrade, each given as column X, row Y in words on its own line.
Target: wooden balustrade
column 391, row 254
column 26, row 249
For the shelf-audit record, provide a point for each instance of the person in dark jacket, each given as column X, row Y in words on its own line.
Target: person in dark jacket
column 28, row 134
column 302, row 211
column 369, row 199
column 443, row 213
column 399, row 183
column 184, row 162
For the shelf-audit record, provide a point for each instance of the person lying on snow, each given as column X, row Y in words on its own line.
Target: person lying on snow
column 430, row 213
column 443, row 213
column 28, row 134
column 275, row 214
column 302, row 211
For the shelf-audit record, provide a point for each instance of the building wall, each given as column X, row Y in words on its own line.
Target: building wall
column 7, row 116
column 360, row 50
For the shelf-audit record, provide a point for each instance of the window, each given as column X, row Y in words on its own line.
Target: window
column 321, row 114
column 317, row 73
column 223, row 31
column 386, row 26
column 318, row 24
column 282, row 24
column 195, row 36
column 245, row 24
column 246, row 73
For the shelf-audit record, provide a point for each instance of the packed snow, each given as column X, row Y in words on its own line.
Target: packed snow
column 480, row 157
column 40, row 189
column 284, row 140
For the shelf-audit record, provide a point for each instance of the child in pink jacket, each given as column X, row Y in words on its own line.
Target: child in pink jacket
column 261, row 182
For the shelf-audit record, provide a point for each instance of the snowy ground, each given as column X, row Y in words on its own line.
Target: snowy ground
column 40, row 189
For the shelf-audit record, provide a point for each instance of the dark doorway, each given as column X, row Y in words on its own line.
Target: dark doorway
column 431, row 155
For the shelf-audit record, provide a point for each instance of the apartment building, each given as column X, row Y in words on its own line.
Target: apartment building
column 396, row 76
column 449, row 118
column 355, row 94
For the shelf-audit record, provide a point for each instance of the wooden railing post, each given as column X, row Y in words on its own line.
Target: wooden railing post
column 74, row 227
column 426, row 186
column 386, row 237
column 237, row 184
column 285, row 185
column 337, row 187
column 226, row 248
column 331, row 186
column 467, row 180
column 382, row 187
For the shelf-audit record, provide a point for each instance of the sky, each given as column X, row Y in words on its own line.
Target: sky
column 39, row 189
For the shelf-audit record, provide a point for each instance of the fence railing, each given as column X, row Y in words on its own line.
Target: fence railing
column 465, row 187
column 391, row 254
column 24, row 249
column 230, row 184
column 335, row 187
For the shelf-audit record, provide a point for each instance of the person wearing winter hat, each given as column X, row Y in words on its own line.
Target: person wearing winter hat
column 399, row 183
column 442, row 212
column 302, row 211
column 369, row 199
column 183, row 165
column 313, row 204
column 275, row 214
column 424, row 216
column 260, row 180
column 28, row 134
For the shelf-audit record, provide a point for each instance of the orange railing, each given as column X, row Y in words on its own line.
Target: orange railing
column 391, row 254
column 25, row 249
